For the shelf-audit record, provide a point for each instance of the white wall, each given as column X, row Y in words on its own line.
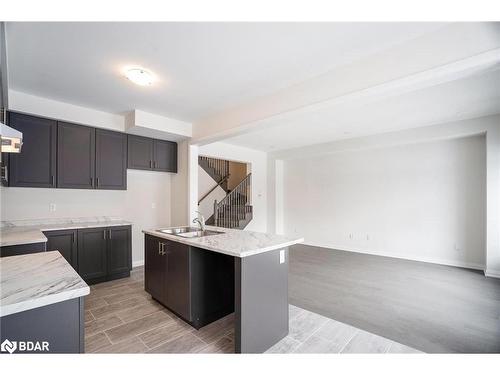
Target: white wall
column 20, row 101
column 166, row 192
column 205, row 184
column 424, row 201
column 258, row 167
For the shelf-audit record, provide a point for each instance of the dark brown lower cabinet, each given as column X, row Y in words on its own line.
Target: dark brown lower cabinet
column 119, row 251
column 195, row 284
column 64, row 241
column 155, row 265
column 104, row 253
column 97, row 254
column 61, row 324
column 7, row 251
column 178, row 277
column 92, row 254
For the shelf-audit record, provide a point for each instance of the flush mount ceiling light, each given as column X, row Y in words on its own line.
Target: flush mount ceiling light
column 140, row 76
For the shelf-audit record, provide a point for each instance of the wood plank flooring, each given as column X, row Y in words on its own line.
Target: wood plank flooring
column 433, row 308
column 120, row 317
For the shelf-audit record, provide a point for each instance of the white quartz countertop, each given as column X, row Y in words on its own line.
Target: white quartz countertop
column 234, row 242
column 35, row 280
column 26, row 234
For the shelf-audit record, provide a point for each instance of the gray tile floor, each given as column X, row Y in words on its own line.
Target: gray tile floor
column 314, row 333
column 120, row 317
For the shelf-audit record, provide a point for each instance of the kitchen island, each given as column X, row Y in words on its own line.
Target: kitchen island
column 202, row 278
column 41, row 300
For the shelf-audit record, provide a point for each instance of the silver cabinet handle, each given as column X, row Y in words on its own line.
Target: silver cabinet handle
column 109, row 234
column 97, row 181
column 53, row 181
column 159, row 248
column 104, row 234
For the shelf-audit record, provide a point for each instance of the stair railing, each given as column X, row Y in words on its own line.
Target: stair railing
column 221, row 167
column 212, row 189
column 233, row 207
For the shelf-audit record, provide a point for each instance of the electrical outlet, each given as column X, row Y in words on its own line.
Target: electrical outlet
column 52, row 207
column 153, row 205
column 368, row 237
column 351, row 236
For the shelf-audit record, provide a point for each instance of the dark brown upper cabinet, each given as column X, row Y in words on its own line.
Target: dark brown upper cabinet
column 35, row 166
column 165, row 156
column 110, row 160
column 140, row 152
column 75, row 156
column 152, row 154
column 65, row 155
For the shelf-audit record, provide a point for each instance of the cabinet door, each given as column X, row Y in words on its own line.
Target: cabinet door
column 75, row 156
column 35, row 166
column 92, row 265
column 119, row 250
column 140, row 152
column 178, row 277
column 64, row 241
column 111, row 160
column 154, row 269
column 165, row 156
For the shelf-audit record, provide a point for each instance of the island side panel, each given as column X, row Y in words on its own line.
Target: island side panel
column 261, row 301
column 60, row 324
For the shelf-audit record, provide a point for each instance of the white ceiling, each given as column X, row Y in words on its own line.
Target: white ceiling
column 473, row 96
column 203, row 68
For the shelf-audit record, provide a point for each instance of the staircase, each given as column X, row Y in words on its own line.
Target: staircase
column 235, row 209
column 216, row 168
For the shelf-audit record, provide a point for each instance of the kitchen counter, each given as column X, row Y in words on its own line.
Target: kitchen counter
column 21, row 233
column 36, row 280
column 242, row 271
column 234, row 242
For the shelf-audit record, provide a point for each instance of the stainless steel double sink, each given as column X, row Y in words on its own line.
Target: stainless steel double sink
column 189, row 232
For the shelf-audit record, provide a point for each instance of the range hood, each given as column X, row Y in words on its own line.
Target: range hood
column 12, row 139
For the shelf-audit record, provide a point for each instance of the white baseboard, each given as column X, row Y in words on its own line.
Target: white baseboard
column 474, row 266
column 492, row 273
column 138, row 263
